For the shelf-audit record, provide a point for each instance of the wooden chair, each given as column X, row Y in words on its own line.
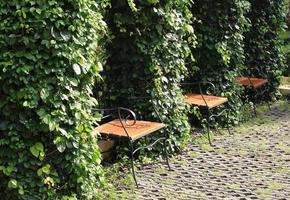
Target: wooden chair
column 254, row 84
column 251, row 82
column 207, row 102
column 127, row 127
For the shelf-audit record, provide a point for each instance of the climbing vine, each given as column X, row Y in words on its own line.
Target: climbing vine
column 220, row 26
column 51, row 53
column 264, row 57
column 147, row 59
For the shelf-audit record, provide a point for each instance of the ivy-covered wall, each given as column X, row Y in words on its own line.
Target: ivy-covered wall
column 49, row 57
column 219, row 27
column 147, row 59
column 264, row 57
column 51, row 54
column 285, row 37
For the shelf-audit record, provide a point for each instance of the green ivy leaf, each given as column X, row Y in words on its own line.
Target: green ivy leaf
column 36, row 149
column 44, row 94
column 77, row 69
column 39, row 172
column 60, row 143
column 12, row 184
column 65, row 197
column 65, row 35
column 20, row 190
column 46, row 169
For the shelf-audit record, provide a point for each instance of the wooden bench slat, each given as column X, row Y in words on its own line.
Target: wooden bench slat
column 212, row 101
column 138, row 130
column 255, row 82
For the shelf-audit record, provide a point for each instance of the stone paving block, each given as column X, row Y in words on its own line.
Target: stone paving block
column 254, row 163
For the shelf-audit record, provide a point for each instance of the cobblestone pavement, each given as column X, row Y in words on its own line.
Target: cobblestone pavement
column 254, row 163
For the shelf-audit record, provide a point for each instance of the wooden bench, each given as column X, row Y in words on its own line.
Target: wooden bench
column 131, row 129
column 206, row 101
column 254, row 84
column 251, row 82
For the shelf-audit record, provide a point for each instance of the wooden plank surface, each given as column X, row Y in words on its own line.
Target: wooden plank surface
column 255, row 82
column 138, row 130
column 212, row 101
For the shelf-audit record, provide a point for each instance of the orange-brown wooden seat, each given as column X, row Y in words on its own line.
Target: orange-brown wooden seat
column 206, row 101
column 253, row 82
column 136, row 131
column 131, row 130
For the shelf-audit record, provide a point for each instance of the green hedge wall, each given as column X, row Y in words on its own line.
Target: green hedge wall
column 49, row 57
column 285, row 37
column 147, row 58
column 264, row 57
column 220, row 26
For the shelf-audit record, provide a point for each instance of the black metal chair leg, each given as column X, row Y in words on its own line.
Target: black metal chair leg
column 132, row 164
column 269, row 105
column 255, row 109
column 228, row 126
column 166, row 156
column 208, row 131
column 208, row 135
column 165, row 151
column 218, row 130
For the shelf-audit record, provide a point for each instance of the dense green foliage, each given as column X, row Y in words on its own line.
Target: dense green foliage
column 51, row 54
column 263, row 48
column 147, row 58
column 285, row 37
column 220, row 26
column 49, row 57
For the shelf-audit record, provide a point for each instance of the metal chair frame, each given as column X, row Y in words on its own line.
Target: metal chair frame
column 256, row 91
column 124, row 122
column 210, row 116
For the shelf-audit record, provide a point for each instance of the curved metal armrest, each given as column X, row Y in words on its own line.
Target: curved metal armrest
column 130, row 113
column 119, row 111
column 123, row 120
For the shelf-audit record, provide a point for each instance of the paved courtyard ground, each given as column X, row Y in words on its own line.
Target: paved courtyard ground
column 253, row 163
